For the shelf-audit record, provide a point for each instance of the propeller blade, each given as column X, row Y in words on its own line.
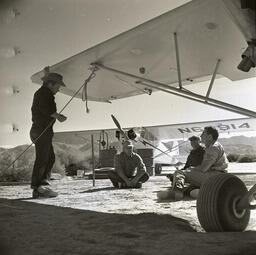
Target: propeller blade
column 119, row 126
column 144, row 142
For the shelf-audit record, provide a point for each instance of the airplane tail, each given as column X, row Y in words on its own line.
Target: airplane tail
column 172, row 148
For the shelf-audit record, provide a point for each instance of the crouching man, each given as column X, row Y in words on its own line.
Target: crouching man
column 130, row 171
column 214, row 162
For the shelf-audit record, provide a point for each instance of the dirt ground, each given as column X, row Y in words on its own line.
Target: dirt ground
column 101, row 220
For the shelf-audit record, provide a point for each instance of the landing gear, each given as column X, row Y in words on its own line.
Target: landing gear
column 217, row 202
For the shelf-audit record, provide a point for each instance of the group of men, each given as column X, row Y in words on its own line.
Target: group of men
column 129, row 169
column 202, row 162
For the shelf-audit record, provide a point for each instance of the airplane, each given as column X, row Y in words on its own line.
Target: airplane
column 165, row 140
column 181, row 47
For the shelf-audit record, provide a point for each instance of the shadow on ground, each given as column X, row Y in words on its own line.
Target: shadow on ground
column 30, row 228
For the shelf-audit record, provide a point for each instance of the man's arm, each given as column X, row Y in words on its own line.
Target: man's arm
column 210, row 157
column 120, row 170
column 140, row 172
column 188, row 164
column 58, row 116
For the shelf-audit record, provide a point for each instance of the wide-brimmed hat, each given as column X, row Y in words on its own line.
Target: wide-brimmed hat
column 194, row 138
column 55, row 77
column 127, row 143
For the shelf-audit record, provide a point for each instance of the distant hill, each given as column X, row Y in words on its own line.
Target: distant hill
column 237, row 144
column 243, row 140
column 19, row 170
column 65, row 154
column 2, row 150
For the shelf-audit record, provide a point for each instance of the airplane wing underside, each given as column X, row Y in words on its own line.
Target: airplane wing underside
column 206, row 31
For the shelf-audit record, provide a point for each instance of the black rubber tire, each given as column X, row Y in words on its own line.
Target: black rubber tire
column 216, row 202
column 158, row 169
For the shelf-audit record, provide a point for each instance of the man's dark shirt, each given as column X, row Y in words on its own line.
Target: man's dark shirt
column 42, row 108
column 195, row 157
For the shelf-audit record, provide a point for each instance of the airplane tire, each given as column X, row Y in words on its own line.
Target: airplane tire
column 158, row 169
column 216, row 204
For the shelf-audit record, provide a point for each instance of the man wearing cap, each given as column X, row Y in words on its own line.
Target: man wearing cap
column 195, row 156
column 214, row 162
column 130, row 171
column 44, row 115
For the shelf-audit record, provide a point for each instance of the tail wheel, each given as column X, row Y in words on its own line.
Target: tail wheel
column 217, row 204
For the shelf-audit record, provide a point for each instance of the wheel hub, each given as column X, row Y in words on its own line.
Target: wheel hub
column 239, row 213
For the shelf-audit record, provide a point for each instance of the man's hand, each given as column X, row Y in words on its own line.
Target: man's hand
column 133, row 183
column 61, row 117
column 129, row 183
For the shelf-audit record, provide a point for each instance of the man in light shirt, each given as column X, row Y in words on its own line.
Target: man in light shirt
column 214, row 162
column 130, row 171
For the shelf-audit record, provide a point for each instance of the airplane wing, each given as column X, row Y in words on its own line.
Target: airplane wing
column 207, row 31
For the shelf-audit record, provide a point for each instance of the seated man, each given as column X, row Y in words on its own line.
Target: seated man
column 214, row 162
column 195, row 156
column 130, row 171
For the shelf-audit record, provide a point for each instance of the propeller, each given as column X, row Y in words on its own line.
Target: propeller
column 142, row 141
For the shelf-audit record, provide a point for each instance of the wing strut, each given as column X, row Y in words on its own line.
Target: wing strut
column 174, row 148
column 212, row 80
column 150, row 144
column 177, row 59
column 182, row 93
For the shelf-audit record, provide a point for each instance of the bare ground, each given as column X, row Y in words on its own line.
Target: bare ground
column 102, row 220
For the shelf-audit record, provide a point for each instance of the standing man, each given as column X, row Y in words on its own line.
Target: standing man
column 130, row 171
column 44, row 115
column 214, row 162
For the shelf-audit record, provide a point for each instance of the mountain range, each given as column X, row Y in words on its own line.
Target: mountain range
column 80, row 154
